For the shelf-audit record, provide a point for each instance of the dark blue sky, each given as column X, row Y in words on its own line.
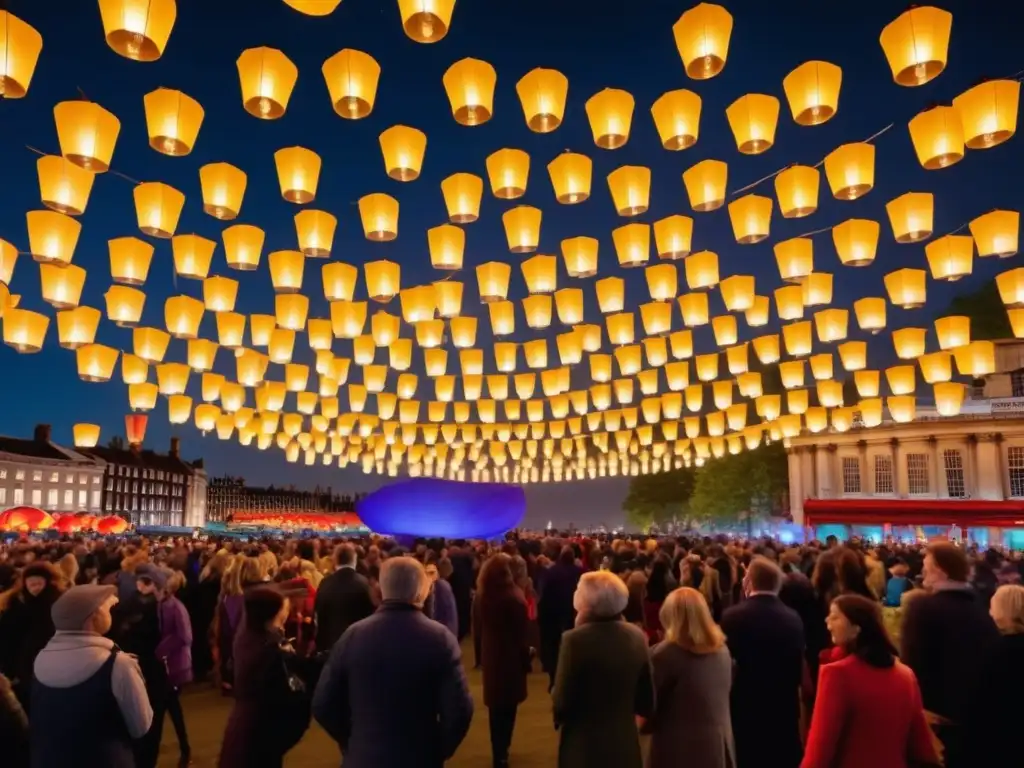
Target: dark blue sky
column 597, row 44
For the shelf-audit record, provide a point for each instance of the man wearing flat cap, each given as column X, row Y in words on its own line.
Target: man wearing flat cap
column 93, row 695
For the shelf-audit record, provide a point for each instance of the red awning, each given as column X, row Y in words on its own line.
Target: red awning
column 965, row 513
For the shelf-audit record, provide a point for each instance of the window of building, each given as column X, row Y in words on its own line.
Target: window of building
column 917, row 474
column 55, row 477
column 96, row 499
column 96, row 479
column 19, row 474
column 19, row 496
column 883, row 474
column 954, row 466
column 851, row 474
column 110, row 504
column 3, row 474
column 37, row 476
column 83, row 479
column 52, row 498
column 37, row 497
column 69, row 499
column 1015, row 465
column 3, row 495
column 70, row 478
column 1017, row 382
column 83, row 499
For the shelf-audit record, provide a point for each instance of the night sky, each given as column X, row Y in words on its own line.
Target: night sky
column 597, row 44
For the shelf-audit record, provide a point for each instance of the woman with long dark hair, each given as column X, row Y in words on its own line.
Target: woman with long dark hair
column 658, row 587
column 500, row 621
column 25, row 624
column 868, row 710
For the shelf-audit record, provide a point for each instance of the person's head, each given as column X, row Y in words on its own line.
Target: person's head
column 899, row 569
column 567, row 556
column 151, row 579
column 266, row 609
column 944, row 562
column 851, row 571
column 687, row 622
column 345, row 556
column 85, row 608
column 519, row 570
column 37, row 577
column 403, row 580
column 600, row 595
column 763, row 575
column 495, row 576
column 444, row 567
column 1007, row 609
column 856, row 626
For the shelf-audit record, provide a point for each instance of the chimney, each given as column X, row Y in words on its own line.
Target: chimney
column 175, row 447
column 42, row 433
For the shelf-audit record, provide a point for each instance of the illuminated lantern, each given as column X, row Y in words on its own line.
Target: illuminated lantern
column 901, row 408
column 797, row 337
column 469, row 84
column 206, row 416
column 315, row 231
column 950, row 257
column 298, row 172
column 569, row 305
column 816, row 419
column 988, row 112
column 87, row 134
column 911, row 216
column 812, row 90
column 504, row 361
column 737, row 292
column 536, row 353
column 219, row 294
column 797, row 401
column 8, row 258
column 281, row 346
column 702, row 39
column 172, row 378
column 570, row 175
column 766, row 348
column 706, row 366
column 347, row 318
column 850, row 170
column 797, row 191
column 77, row 327
column 63, row 186
column 267, row 78
column 129, row 260
column 1011, row 287
column 230, row 329
column 19, row 54
column 909, row 342
column 363, row 350
column 724, row 327
column 831, row 324
column 471, row 361
column 630, row 186
column 953, row 331
column 142, row 396
column 753, row 119
column 447, row 244
column 158, row 208
column 192, row 256
column 738, row 361
column 538, row 310
column 179, row 408
column 938, row 137
column 403, row 149
column 856, row 241
column 201, row 354
column 286, row 268
column 24, row 331
column 540, row 273
column 750, row 216
column 628, row 358
column 936, row 367
column 656, row 351
column 86, row 435
column 705, row 184
column 352, row 78
column 870, row 314
column 52, row 237
column 448, row 295
column 383, row 279
column 677, row 118
column 150, row 344
column 673, row 236
column 817, row 289
column 901, row 378
column 182, row 316
column 61, row 286
column 542, row 93
column 610, row 113
column 949, row 398
column 570, row 349
column 996, row 233
column 379, row 215
column 632, row 244
column 522, row 228
column 339, row 281
column 462, row 193
column 621, row 328
column 319, row 333
column 977, row 359
column 385, row 328
column 492, row 280
column 243, row 244
column 795, row 258
column 580, row 255
column 223, row 189
column 503, row 318
column 694, row 308
column 916, row 44
column 290, row 311
column 418, row 303
column 662, row 281
column 853, row 354
column 906, row 287
column 591, row 337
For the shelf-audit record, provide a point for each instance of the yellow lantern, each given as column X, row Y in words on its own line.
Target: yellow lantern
column 911, row 216
column 816, row 419
column 1011, row 287
column 219, row 294
column 469, row 84
column 621, row 328
column 737, row 292
column 831, row 324
column 610, row 113
column 632, row 244
column 916, row 44
column 817, row 289
column 705, row 184
column 298, row 172
column 988, row 112
column 570, row 175
column 379, row 215
column 570, row 347
column 938, row 137
column 901, row 408
column 856, row 241
column 86, row 435
column 172, row 121
column 172, row 378
column 850, row 170
column 63, row 186
column 447, row 244
column 315, row 231
column 418, row 303
column 694, row 308
column 738, row 361
column 201, row 354
column 628, row 358
column 537, row 309
column 753, row 119
column 953, row 331
column 363, row 350
column 580, row 255
column 463, row 332
column 936, row 367
column 797, row 337
column 286, row 268
column 706, row 366
column 138, row 29
column 179, row 408
column 223, row 189
column 950, row 257
column 8, row 258
column 24, row 331
column 471, row 361
column 569, row 305
column 853, row 354
column 662, row 281
column 996, row 233
column 724, row 327
column 870, row 314
column 192, row 256
column 906, row 287
column 656, row 352
column 522, row 228
column 540, row 273
column 909, row 342
column 536, row 353
column 673, row 236
column 403, row 149
column 949, row 398
column 352, row 78
column 158, row 208
column 243, row 244
column 611, row 294
column 448, row 294
column 492, row 280
column 400, row 356
column 797, row 191
column 129, row 260
column 797, row 401
column 290, row 311
column 347, row 318
column 383, row 279
column 19, row 54
column 250, row 367
column 759, row 311
column 182, row 316
column 789, row 302
column 385, row 328
column 702, row 39
column 267, row 78
column 462, row 193
column 61, row 286
column 812, row 90
column 977, row 359
column 77, row 327
column 339, row 281
column 630, row 186
column 901, row 378
column 87, row 134
column 750, row 216
column 767, row 348
column 542, row 93
column 52, row 237
column 503, row 318
column 142, row 396
column 677, row 118
column 150, row 344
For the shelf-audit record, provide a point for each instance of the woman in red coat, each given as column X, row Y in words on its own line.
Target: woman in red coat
column 500, row 621
column 868, row 711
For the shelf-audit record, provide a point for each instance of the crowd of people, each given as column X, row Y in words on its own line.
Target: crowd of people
column 715, row 652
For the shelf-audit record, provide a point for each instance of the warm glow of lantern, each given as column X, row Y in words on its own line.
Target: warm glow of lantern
column 949, row 398
column 219, row 294
column 817, row 289
column 351, row 78
column 724, row 327
column 856, row 241
column 789, row 302
column 977, row 359
column 243, row 244
column 797, row 337
column 61, row 286
column 812, row 90
column 348, row 318
column 290, row 311
column 870, row 314
column 677, row 118
column 570, row 175
column 267, row 78
column 737, row 292
column 906, row 287
column 621, row 328
column 403, row 149
column 182, row 316
column 795, row 258
column 315, row 231
column 630, row 186
column 694, row 308
column 448, row 294
column 702, row 38
column 192, row 256
column 503, row 317
column 86, row 435
column 158, row 208
column 610, row 113
column 950, row 257
column 383, row 279
column 751, row 218
column 446, row 243
column 911, row 216
column 492, row 280
column 705, row 184
column 569, row 305
column 753, row 119
column 522, row 228
column 1011, row 287
column 77, row 327
column 542, row 93
column 63, row 186
column 52, row 237
column 469, row 84
column 87, row 134
column 797, row 191
column 298, row 173
column 909, row 343
column 611, row 293
column 173, row 120
column 850, row 170
column 988, row 112
column 632, row 244
column 996, row 233
column 20, row 45
column 853, row 354
column 953, row 331
column 901, row 379
column 129, row 260
column 540, row 273
column 916, row 44
column 938, row 137
column 936, row 367
column 831, row 324
column 867, row 383
column 580, row 255
column 286, row 269
column 462, row 193
column 24, row 331
column 662, row 281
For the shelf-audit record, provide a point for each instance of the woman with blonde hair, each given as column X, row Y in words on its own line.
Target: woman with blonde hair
column 68, row 567
column 994, row 712
column 692, row 679
column 245, row 572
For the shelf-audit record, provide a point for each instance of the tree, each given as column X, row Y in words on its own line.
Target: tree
column 985, row 309
column 658, row 498
column 736, row 486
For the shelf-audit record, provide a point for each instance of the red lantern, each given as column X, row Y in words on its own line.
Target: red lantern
column 135, row 427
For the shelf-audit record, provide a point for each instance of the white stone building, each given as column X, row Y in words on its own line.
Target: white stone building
column 39, row 473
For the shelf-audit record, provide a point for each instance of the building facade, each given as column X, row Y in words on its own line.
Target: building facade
column 229, row 495
column 39, row 473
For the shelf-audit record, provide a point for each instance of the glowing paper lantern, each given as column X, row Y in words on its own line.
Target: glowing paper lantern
column 290, row 311
column 702, row 39
column 831, row 324
column 630, row 186
column 426, row 21
column 138, row 29
column 19, row 54
column 996, row 233
column 906, row 287
column 379, row 215
column 812, row 90
column 230, row 329
column 901, row 408
column 694, row 309
column 870, row 314
column 86, row 435
column 286, row 268
column 61, row 286
column 662, row 281
column 462, row 193
column 797, row 191
column 753, row 119
column 522, row 228
column 797, row 337
column 1011, row 287
column 383, row 279
column 677, row 118
column 570, row 175
column 580, row 255
column 850, row 170
column 418, row 303
column 223, row 189
column 867, row 383
column 950, row 257
column 853, row 354
column 759, row 311
column 243, row 244
column 751, row 217
column 492, row 280
column 789, row 302
column 610, row 113
column 352, row 78
column 949, row 398
column 632, row 244
column 52, row 237
column 909, row 342
column 542, row 93
column 724, row 327
column 911, row 216
column 610, row 294
column 448, row 294
column 63, row 186
column 938, row 137
column 569, row 305
column 817, row 289
column 87, row 134
column 856, row 241
column 201, row 354
column 267, row 78
column 988, row 112
column 916, row 44
column 77, row 327
column 219, row 294
column 298, row 172
column 182, row 315
column 469, row 84
column 339, row 281
column 403, row 149
column 621, row 328
column 172, row 378
column 158, row 208
column 540, row 274
column 315, row 231
column 705, row 184
column 953, row 331
column 936, row 367
column 192, row 256
column 977, row 359
column 24, row 331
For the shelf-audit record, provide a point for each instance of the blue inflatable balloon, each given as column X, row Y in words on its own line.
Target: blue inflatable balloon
column 426, row 506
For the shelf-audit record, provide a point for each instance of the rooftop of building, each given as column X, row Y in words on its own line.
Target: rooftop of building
column 40, row 446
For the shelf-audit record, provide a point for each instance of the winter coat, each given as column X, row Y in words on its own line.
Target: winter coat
column 13, row 727
column 501, row 624
column 442, row 606
column 175, row 646
column 25, row 628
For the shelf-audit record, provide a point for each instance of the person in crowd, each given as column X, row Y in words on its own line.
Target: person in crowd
column 440, row 605
column 898, row 583
column 659, row 583
column 521, row 569
column 874, row 572
column 14, row 735
column 868, row 710
column 203, row 610
column 700, row 576
column 766, row 640
column 244, row 573
column 852, row 573
column 604, row 679
column 555, row 612
column 948, row 629
column 124, row 578
column 175, row 651
column 636, row 585
column 342, row 599
column 68, row 568
column 692, row 680
column 500, row 620
column 997, row 709
column 26, row 626
column 93, row 695
column 461, row 581
column 393, row 691
column 271, row 704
